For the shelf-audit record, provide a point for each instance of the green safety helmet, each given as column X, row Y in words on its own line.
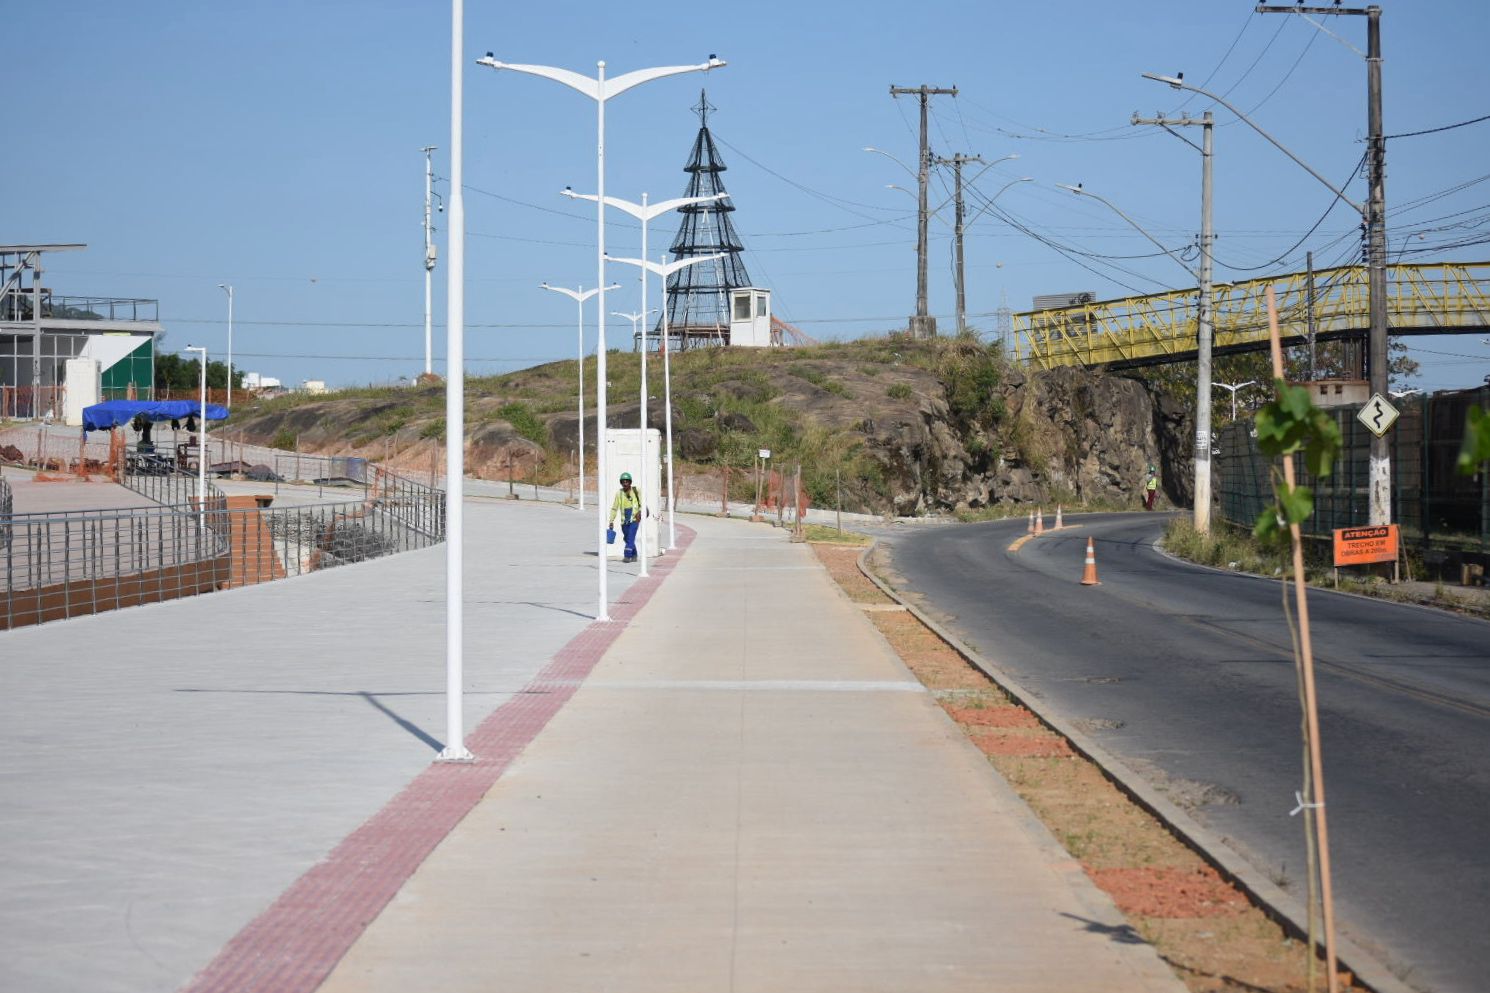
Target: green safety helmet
column 625, row 477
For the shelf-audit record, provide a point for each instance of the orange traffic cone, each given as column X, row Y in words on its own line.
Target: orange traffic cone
column 1058, row 524
column 1089, row 576
column 1040, row 521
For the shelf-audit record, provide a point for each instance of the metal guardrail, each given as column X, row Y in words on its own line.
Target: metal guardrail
column 7, row 508
column 99, row 308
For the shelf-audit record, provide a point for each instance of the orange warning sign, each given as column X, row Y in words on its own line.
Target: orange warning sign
column 1359, row 546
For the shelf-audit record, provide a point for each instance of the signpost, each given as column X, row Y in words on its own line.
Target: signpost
column 1366, row 545
column 1378, row 415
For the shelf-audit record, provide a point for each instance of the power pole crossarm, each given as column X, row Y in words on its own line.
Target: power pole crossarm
column 923, row 325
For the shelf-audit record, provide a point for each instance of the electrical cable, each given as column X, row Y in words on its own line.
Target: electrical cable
column 1307, row 234
column 1446, row 127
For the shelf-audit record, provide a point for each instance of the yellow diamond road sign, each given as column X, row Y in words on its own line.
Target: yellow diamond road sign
column 1377, row 415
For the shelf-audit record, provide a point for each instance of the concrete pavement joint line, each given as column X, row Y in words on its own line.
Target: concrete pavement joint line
column 293, row 945
column 1283, row 907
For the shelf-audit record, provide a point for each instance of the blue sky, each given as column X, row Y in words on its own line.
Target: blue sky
column 275, row 146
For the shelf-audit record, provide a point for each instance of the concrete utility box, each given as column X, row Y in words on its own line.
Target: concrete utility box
column 750, row 317
column 623, row 454
column 84, row 389
column 1338, row 392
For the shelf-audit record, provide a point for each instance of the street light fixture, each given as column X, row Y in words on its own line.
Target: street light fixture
column 1234, row 388
column 579, row 295
column 229, row 290
column 1379, row 494
column 665, row 269
column 600, row 90
column 1203, row 337
column 644, row 212
column 637, row 334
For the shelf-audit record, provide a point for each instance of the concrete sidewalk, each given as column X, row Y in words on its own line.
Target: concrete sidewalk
column 749, row 792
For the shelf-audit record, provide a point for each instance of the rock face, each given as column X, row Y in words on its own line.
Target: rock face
column 1065, row 434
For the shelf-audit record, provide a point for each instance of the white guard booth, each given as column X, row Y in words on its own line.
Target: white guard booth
column 84, row 389
column 750, row 317
column 623, row 454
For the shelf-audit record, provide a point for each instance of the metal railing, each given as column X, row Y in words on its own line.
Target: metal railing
column 157, row 478
column 7, row 508
column 1430, row 298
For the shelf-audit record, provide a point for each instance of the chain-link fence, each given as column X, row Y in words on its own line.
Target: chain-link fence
column 1438, row 509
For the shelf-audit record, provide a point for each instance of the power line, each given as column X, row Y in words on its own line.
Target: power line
column 1446, row 127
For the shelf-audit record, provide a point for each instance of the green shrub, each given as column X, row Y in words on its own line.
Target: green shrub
column 524, row 421
column 283, row 439
column 900, row 391
column 435, row 429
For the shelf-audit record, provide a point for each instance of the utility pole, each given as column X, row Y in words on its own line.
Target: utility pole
column 429, row 256
column 1309, row 299
column 1203, row 311
column 922, row 325
column 956, row 162
column 1380, row 478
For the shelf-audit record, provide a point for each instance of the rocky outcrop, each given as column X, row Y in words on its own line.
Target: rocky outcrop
column 1065, row 434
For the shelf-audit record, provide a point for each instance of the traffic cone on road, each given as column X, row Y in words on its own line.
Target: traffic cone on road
column 1058, row 524
column 1089, row 575
column 1031, row 528
column 1040, row 521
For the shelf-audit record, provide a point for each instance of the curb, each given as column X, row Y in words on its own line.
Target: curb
column 1283, row 908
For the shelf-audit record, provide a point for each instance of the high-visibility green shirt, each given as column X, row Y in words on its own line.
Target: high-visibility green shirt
column 1153, row 483
column 627, row 498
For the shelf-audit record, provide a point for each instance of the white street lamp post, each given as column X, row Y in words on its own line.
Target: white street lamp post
column 1234, row 387
column 638, row 332
column 202, row 436
column 229, row 290
column 600, row 90
column 579, row 295
column 644, row 212
column 665, row 269
column 455, row 410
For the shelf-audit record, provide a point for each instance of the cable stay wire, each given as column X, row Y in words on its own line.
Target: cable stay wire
column 838, row 202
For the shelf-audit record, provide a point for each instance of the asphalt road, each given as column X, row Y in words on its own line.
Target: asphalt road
column 1187, row 675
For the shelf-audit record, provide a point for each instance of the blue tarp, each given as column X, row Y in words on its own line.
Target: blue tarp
column 112, row 413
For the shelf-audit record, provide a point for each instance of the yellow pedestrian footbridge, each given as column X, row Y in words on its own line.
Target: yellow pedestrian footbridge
column 1436, row 298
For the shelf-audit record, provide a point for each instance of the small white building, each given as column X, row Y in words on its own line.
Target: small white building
column 750, row 317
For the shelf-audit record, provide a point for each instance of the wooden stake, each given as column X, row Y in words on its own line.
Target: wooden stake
column 1311, row 707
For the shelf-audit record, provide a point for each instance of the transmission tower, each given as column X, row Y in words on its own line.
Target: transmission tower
column 698, row 295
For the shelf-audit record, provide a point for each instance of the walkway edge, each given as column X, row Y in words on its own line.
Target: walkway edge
column 292, row 946
column 1281, row 906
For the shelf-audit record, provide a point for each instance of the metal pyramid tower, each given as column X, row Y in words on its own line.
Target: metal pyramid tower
column 698, row 296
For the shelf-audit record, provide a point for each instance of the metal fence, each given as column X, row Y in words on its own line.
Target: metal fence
column 7, row 507
column 1438, row 509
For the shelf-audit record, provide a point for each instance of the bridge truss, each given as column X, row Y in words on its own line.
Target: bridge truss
column 1434, row 298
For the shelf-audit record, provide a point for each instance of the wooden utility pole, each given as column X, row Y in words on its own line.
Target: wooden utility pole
column 922, row 325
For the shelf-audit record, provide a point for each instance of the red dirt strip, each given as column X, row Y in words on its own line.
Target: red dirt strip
column 293, row 945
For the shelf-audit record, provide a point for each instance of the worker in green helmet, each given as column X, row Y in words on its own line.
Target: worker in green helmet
column 628, row 506
column 1151, row 488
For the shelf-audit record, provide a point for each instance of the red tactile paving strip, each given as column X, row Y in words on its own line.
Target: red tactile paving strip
column 293, row 946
